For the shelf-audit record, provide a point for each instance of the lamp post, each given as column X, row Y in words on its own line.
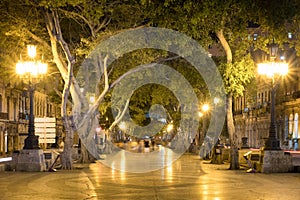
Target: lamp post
column 31, row 70
column 204, row 144
column 216, row 102
column 204, row 109
column 271, row 69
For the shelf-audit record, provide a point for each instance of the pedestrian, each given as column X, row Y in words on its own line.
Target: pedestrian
column 146, row 145
column 153, row 144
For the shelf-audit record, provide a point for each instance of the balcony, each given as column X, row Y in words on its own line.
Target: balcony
column 22, row 116
column 3, row 115
column 238, row 112
column 296, row 94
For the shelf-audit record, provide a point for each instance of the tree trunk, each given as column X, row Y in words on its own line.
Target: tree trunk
column 85, row 156
column 66, row 157
column 234, row 161
column 234, row 153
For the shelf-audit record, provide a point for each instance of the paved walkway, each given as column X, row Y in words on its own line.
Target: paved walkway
column 188, row 178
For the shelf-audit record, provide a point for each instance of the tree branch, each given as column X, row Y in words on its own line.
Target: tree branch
column 225, row 45
column 119, row 116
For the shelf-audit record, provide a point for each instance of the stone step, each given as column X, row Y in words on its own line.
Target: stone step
column 296, row 159
column 2, row 167
column 5, row 163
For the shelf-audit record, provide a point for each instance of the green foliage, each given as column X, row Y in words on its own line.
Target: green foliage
column 151, row 94
column 82, row 26
column 237, row 74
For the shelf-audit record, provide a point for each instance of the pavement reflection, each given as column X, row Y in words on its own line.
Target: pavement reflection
column 127, row 161
column 187, row 178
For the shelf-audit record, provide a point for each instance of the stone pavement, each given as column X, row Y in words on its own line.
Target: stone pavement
column 188, row 178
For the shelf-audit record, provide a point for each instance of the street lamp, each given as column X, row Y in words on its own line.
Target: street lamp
column 202, row 114
column 169, row 128
column 271, row 69
column 31, row 70
column 205, row 107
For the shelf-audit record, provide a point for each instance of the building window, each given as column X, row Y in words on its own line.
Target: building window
column 1, row 103
column 255, row 36
column 15, row 109
column 7, row 105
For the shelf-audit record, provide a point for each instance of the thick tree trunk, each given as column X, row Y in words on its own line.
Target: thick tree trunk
column 85, row 156
column 234, row 161
column 234, row 153
column 66, row 157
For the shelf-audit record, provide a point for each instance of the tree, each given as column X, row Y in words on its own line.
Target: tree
column 95, row 16
column 74, row 27
column 211, row 22
column 62, row 27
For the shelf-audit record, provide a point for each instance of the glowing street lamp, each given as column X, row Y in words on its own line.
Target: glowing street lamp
column 31, row 69
column 271, row 69
column 205, row 107
column 169, row 128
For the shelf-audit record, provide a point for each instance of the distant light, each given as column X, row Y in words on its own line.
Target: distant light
column 282, row 57
column 290, row 35
column 200, row 114
column 92, row 99
column 169, row 127
column 122, row 126
column 98, row 129
column 216, row 100
column 255, row 36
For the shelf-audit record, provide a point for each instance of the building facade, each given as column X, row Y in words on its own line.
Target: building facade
column 14, row 116
column 252, row 112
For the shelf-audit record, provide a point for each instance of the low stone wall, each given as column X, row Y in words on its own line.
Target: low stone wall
column 276, row 162
column 267, row 161
column 32, row 160
column 2, row 167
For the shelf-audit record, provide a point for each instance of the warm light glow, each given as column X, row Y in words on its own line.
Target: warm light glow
column 32, row 68
column 170, row 128
column 216, row 100
column 200, row 114
column 92, row 99
column 205, row 107
column 31, row 50
column 272, row 68
column 42, row 67
column 122, row 126
column 98, row 129
column 19, row 68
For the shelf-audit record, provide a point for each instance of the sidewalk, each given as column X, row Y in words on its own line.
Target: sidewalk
column 188, row 178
